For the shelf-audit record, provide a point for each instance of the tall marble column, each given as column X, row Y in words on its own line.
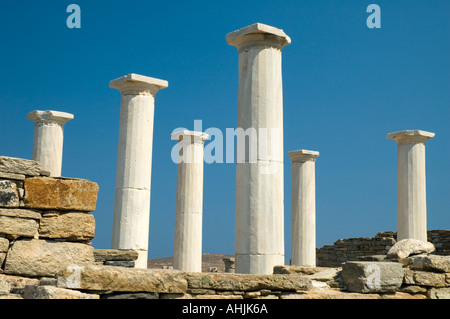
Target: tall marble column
column 259, row 233
column 189, row 201
column 411, row 184
column 48, row 139
column 303, row 208
column 134, row 161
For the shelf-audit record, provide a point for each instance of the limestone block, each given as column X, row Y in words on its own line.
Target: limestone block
column 39, row 258
column 51, row 292
column 19, row 166
column 140, row 295
column 4, row 245
column 439, row 293
column 115, row 254
column 19, row 222
column 14, row 282
column 403, row 295
column 425, row 278
column 243, row 282
column 367, row 276
column 431, row 262
column 9, row 195
column 329, row 294
column 60, row 194
column 73, row 226
column 406, row 247
column 93, row 277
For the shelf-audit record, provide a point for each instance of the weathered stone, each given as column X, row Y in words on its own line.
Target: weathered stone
column 20, row 213
column 44, row 257
column 306, row 270
column 243, row 282
column 424, row 278
column 17, row 177
column 51, row 292
column 412, row 289
column 218, row 297
column 60, row 194
column 19, row 166
column 8, row 283
column 122, row 279
column 115, row 254
column 365, row 276
column 9, row 196
column 2, row 258
column 18, row 227
column 431, row 262
column 406, row 247
column 329, row 294
column 11, row 296
column 120, row 263
column 72, row 226
column 439, row 293
column 4, row 245
column 140, row 295
column 402, row 295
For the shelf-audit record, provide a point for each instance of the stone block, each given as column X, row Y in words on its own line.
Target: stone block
column 425, row 278
column 45, row 258
column 367, row 277
column 140, row 295
column 120, row 263
column 101, row 278
column 17, row 226
column 439, row 293
column 9, row 195
column 73, row 226
column 430, row 262
column 115, row 254
column 60, row 194
column 8, row 283
column 406, row 247
column 19, row 166
column 51, row 292
column 4, row 245
column 243, row 282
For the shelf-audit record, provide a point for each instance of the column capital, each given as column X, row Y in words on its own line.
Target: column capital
column 303, row 155
column 411, row 136
column 195, row 136
column 135, row 84
column 258, row 34
column 50, row 117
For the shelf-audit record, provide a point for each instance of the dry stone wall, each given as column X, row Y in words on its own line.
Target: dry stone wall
column 373, row 248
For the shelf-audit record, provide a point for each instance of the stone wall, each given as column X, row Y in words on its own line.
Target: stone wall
column 370, row 248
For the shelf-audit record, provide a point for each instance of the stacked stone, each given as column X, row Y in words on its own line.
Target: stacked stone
column 353, row 249
column 46, row 224
column 441, row 240
column 116, row 257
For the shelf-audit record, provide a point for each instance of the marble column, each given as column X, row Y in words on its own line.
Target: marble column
column 48, row 139
column 134, row 160
column 189, row 201
column 411, row 184
column 259, row 232
column 303, row 208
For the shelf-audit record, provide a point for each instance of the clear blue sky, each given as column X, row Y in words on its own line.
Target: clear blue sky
column 345, row 87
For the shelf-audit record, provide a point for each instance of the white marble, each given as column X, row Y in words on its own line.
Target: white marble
column 48, row 139
column 303, row 208
column 411, row 184
column 189, row 201
column 259, row 234
column 134, row 160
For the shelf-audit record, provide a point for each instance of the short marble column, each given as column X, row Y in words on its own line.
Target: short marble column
column 411, row 184
column 134, row 160
column 303, row 208
column 189, row 201
column 48, row 139
column 259, row 232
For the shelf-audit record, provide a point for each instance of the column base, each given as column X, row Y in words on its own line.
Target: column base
column 257, row 264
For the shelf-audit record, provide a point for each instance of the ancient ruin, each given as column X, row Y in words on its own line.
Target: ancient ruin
column 47, row 221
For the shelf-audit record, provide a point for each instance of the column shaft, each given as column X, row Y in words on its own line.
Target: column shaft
column 259, row 235
column 189, row 202
column 411, row 184
column 303, row 208
column 134, row 161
